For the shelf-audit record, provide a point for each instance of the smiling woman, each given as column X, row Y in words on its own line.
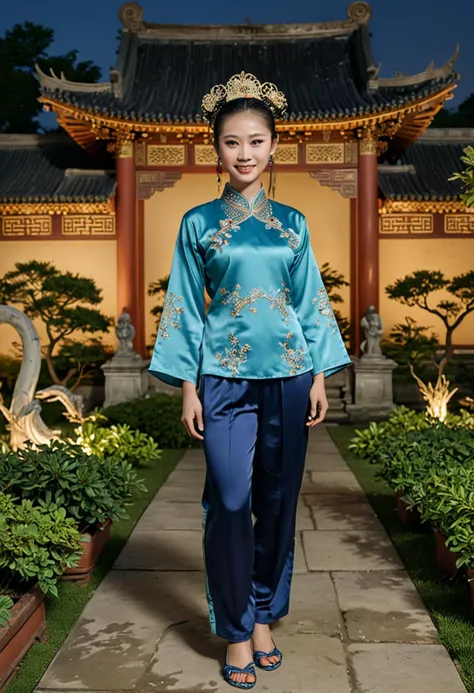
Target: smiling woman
column 251, row 369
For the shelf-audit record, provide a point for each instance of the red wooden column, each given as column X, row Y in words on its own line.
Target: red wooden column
column 126, row 200
column 367, row 229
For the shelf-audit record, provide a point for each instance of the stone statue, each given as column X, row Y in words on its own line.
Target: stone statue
column 125, row 333
column 372, row 325
column 24, row 415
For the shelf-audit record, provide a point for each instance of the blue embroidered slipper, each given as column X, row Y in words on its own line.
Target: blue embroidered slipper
column 258, row 655
column 230, row 669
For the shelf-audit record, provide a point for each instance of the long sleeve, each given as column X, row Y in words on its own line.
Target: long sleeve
column 177, row 353
column 313, row 310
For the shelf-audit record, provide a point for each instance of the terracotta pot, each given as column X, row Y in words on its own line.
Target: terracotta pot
column 27, row 624
column 93, row 544
column 470, row 577
column 411, row 519
column 445, row 559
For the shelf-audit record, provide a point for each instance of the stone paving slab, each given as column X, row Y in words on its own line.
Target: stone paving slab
column 331, row 483
column 346, row 516
column 177, row 494
column 383, row 607
column 162, row 550
column 169, row 515
column 402, row 668
column 304, row 518
column 313, row 607
column 118, row 631
column 337, row 499
column 308, row 659
column 339, row 550
column 327, row 462
column 187, row 477
column 299, row 565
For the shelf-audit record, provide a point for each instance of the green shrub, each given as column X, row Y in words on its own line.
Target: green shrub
column 120, row 441
column 158, row 417
column 6, row 604
column 446, row 499
column 90, row 488
column 37, row 542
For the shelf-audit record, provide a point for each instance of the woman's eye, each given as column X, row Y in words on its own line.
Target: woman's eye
column 257, row 142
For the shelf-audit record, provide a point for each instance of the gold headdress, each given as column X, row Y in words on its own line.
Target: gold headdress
column 243, row 85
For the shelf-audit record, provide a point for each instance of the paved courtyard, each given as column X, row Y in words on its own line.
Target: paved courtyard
column 356, row 625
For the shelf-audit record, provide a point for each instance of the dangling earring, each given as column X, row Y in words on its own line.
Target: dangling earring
column 272, row 183
column 219, row 171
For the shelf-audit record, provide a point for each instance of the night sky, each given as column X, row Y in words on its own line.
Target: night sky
column 407, row 34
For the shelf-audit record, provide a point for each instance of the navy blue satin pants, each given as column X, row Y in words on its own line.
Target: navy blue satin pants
column 255, row 441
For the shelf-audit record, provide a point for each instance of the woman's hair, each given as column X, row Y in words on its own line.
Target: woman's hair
column 242, row 105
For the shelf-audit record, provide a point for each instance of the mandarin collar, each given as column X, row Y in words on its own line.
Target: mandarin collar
column 236, row 199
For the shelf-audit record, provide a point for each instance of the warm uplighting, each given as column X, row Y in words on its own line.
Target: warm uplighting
column 436, row 396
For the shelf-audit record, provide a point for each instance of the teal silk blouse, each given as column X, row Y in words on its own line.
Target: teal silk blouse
column 270, row 315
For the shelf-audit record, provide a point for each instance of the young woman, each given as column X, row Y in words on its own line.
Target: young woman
column 258, row 357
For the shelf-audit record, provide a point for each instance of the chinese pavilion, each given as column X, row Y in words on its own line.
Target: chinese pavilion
column 347, row 159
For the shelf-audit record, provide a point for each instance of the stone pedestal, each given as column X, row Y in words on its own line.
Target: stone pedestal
column 338, row 392
column 373, row 392
column 126, row 378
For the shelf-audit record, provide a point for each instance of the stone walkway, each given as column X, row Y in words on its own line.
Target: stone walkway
column 356, row 622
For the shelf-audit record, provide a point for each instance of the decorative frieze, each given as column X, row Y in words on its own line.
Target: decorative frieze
column 88, row 225
column 155, row 181
column 166, row 155
column 459, row 223
column 286, row 154
column 323, row 153
column 340, row 179
column 406, row 224
column 17, row 226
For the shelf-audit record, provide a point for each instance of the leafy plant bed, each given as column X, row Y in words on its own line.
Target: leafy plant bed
column 25, row 625
column 446, row 600
column 62, row 613
column 94, row 543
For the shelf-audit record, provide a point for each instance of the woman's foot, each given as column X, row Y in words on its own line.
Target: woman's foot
column 263, row 642
column 239, row 654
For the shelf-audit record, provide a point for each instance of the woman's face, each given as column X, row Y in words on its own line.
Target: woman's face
column 245, row 145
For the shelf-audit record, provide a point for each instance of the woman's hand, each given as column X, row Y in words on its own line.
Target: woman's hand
column 192, row 410
column 318, row 400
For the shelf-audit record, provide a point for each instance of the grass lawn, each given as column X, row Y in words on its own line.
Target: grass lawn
column 62, row 613
column 446, row 600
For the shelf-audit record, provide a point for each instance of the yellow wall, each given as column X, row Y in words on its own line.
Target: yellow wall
column 94, row 259
column 328, row 216
column 399, row 257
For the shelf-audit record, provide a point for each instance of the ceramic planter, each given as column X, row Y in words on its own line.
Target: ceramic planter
column 93, row 544
column 411, row 519
column 27, row 624
column 445, row 559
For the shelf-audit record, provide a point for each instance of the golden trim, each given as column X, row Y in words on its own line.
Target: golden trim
column 124, row 149
column 459, row 223
column 166, row 155
column 422, row 206
column 367, row 147
column 27, row 209
column 125, row 127
column 88, row 225
column 324, row 153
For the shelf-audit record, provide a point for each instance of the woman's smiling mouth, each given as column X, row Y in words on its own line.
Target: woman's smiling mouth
column 245, row 169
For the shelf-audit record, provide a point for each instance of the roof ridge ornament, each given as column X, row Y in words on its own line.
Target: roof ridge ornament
column 359, row 12
column 131, row 16
column 53, row 82
column 247, row 86
column 431, row 72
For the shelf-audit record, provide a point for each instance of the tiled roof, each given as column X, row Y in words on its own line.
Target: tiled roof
column 326, row 70
column 45, row 169
column 424, row 169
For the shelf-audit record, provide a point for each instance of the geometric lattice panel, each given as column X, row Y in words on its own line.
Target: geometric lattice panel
column 88, row 225
column 405, row 224
column 166, row 155
column 27, row 226
column 205, row 155
column 286, row 154
column 325, row 153
column 459, row 223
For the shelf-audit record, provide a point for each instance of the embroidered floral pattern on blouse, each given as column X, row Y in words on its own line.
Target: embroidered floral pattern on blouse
column 324, row 307
column 238, row 209
column 279, row 300
column 294, row 357
column 234, row 355
column 170, row 314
